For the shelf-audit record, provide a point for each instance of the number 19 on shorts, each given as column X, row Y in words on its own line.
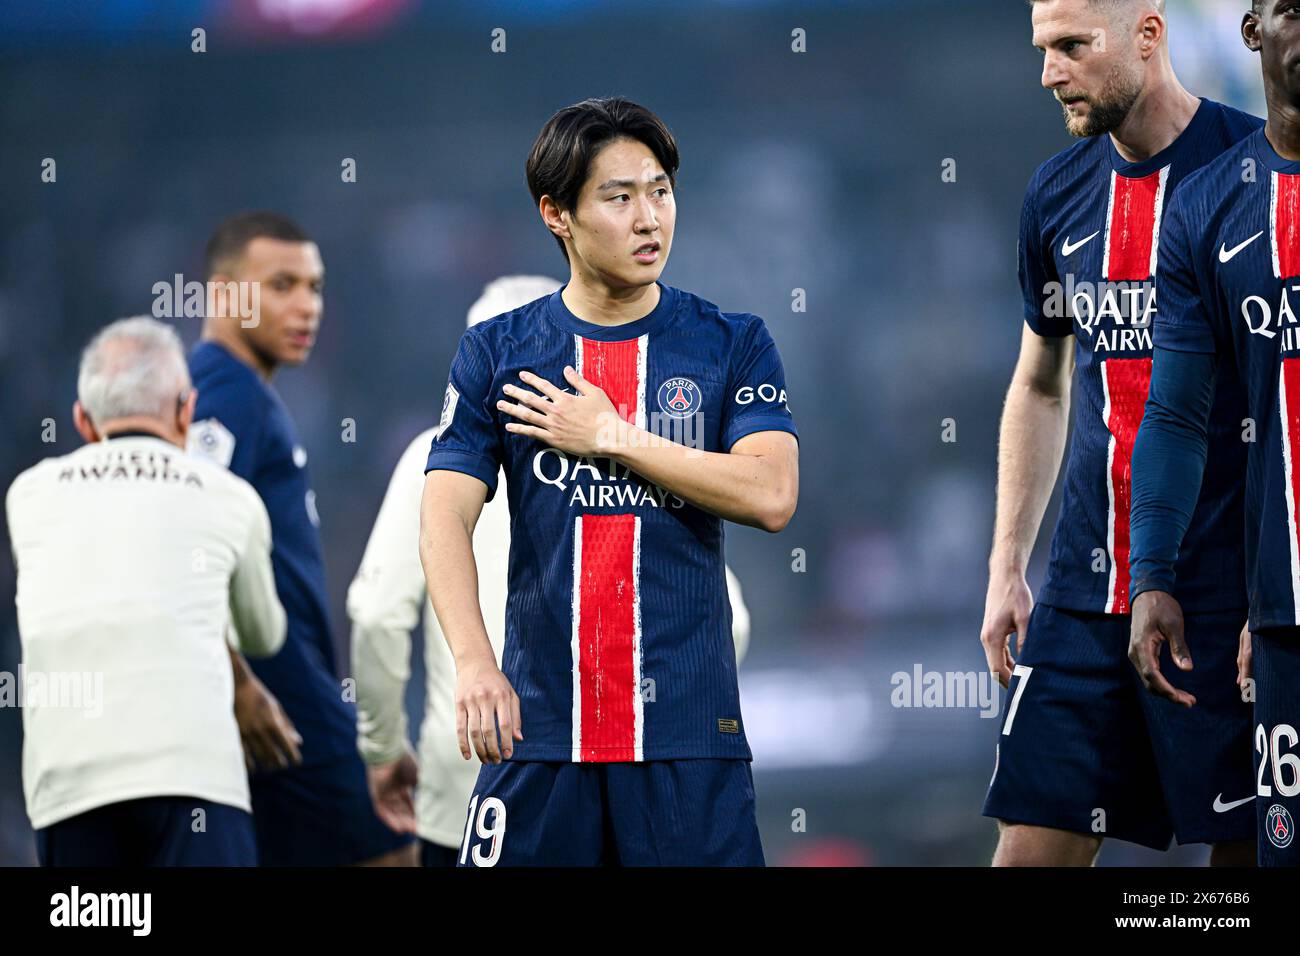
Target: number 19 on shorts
column 488, row 821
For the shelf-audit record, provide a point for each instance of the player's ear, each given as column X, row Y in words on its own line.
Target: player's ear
column 1152, row 32
column 554, row 217
column 1250, row 31
column 85, row 427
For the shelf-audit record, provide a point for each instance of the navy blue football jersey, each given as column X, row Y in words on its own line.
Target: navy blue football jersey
column 618, row 627
column 1230, row 284
column 1090, row 235
column 241, row 422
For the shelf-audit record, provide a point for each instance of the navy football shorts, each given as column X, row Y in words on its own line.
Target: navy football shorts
column 152, row 831
column 659, row 813
column 1085, row 747
column 437, row 856
column 1276, row 668
column 319, row 816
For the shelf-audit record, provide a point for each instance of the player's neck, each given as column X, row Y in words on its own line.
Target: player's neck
column 601, row 305
column 240, row 349
column 1283, row 127
column 140, row 425
column 1159, row 116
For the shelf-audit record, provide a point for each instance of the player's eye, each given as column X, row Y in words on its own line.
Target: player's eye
column 661, row 191
column 622, row 196
column 1069, row 46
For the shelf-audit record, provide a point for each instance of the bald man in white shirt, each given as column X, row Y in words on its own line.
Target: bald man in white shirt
column 137, row 563
column 430, row 796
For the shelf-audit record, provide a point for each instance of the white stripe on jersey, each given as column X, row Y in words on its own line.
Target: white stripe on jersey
column 1155, row 229
column 1110, row 489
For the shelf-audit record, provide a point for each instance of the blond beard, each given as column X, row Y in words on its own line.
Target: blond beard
column 1110, row 107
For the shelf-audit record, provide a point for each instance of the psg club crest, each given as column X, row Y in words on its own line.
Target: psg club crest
column 1279, row 826
column 679, row 397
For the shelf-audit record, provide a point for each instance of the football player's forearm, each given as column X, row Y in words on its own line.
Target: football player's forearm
column 379, row 666
column 1030, row 446
column 1168, row 463
column 747, row 489
column 451, row 575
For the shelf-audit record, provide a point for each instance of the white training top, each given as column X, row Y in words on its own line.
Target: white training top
column 384, row 603
column 136, row 562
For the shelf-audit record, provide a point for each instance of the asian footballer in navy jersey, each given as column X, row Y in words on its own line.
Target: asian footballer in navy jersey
column 632, row 419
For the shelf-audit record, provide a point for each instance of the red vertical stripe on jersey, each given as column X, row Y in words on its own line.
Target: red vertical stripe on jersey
column 613, row 366
column 1130, row 233
column 1126, row 382
column 607, row 607
column 1286, row 225
column 606, row 637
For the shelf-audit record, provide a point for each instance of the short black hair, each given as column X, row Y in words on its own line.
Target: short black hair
column 229, row 240
column 560, row 160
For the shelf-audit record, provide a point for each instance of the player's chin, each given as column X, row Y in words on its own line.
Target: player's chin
column 294, row 354
column 644, row 273
column 1079, row 125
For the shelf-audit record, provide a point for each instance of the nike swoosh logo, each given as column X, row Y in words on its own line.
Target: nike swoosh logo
column 1226, row 254
column 1068, row 250
column 1221, row 807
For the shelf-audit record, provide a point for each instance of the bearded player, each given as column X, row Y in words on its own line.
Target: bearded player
column 1084, row 753
column 631, row 419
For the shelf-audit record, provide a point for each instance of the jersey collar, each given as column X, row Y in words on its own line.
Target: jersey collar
column 1269, row 157
column 134, row 433
column 1163, row 158
column 662, row 313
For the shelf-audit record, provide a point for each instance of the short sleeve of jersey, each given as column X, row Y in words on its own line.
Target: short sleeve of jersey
column 756, row 398
column 1182, row 321
column 466, row 438
column 228, row 427
column 1037, row 270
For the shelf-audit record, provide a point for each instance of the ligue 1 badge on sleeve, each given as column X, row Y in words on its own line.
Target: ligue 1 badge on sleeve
column 679, row 397
column 212, row 440
column 1279, row 827
column 449, row 401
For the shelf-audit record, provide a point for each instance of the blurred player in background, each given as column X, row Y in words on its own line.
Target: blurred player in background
column 1230, row 255
column 315, row 812
column 133, row 560
column 384, row 603
column 631, row 418
column 1084, row 753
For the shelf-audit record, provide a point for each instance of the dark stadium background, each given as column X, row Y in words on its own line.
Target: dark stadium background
column 819, row 171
